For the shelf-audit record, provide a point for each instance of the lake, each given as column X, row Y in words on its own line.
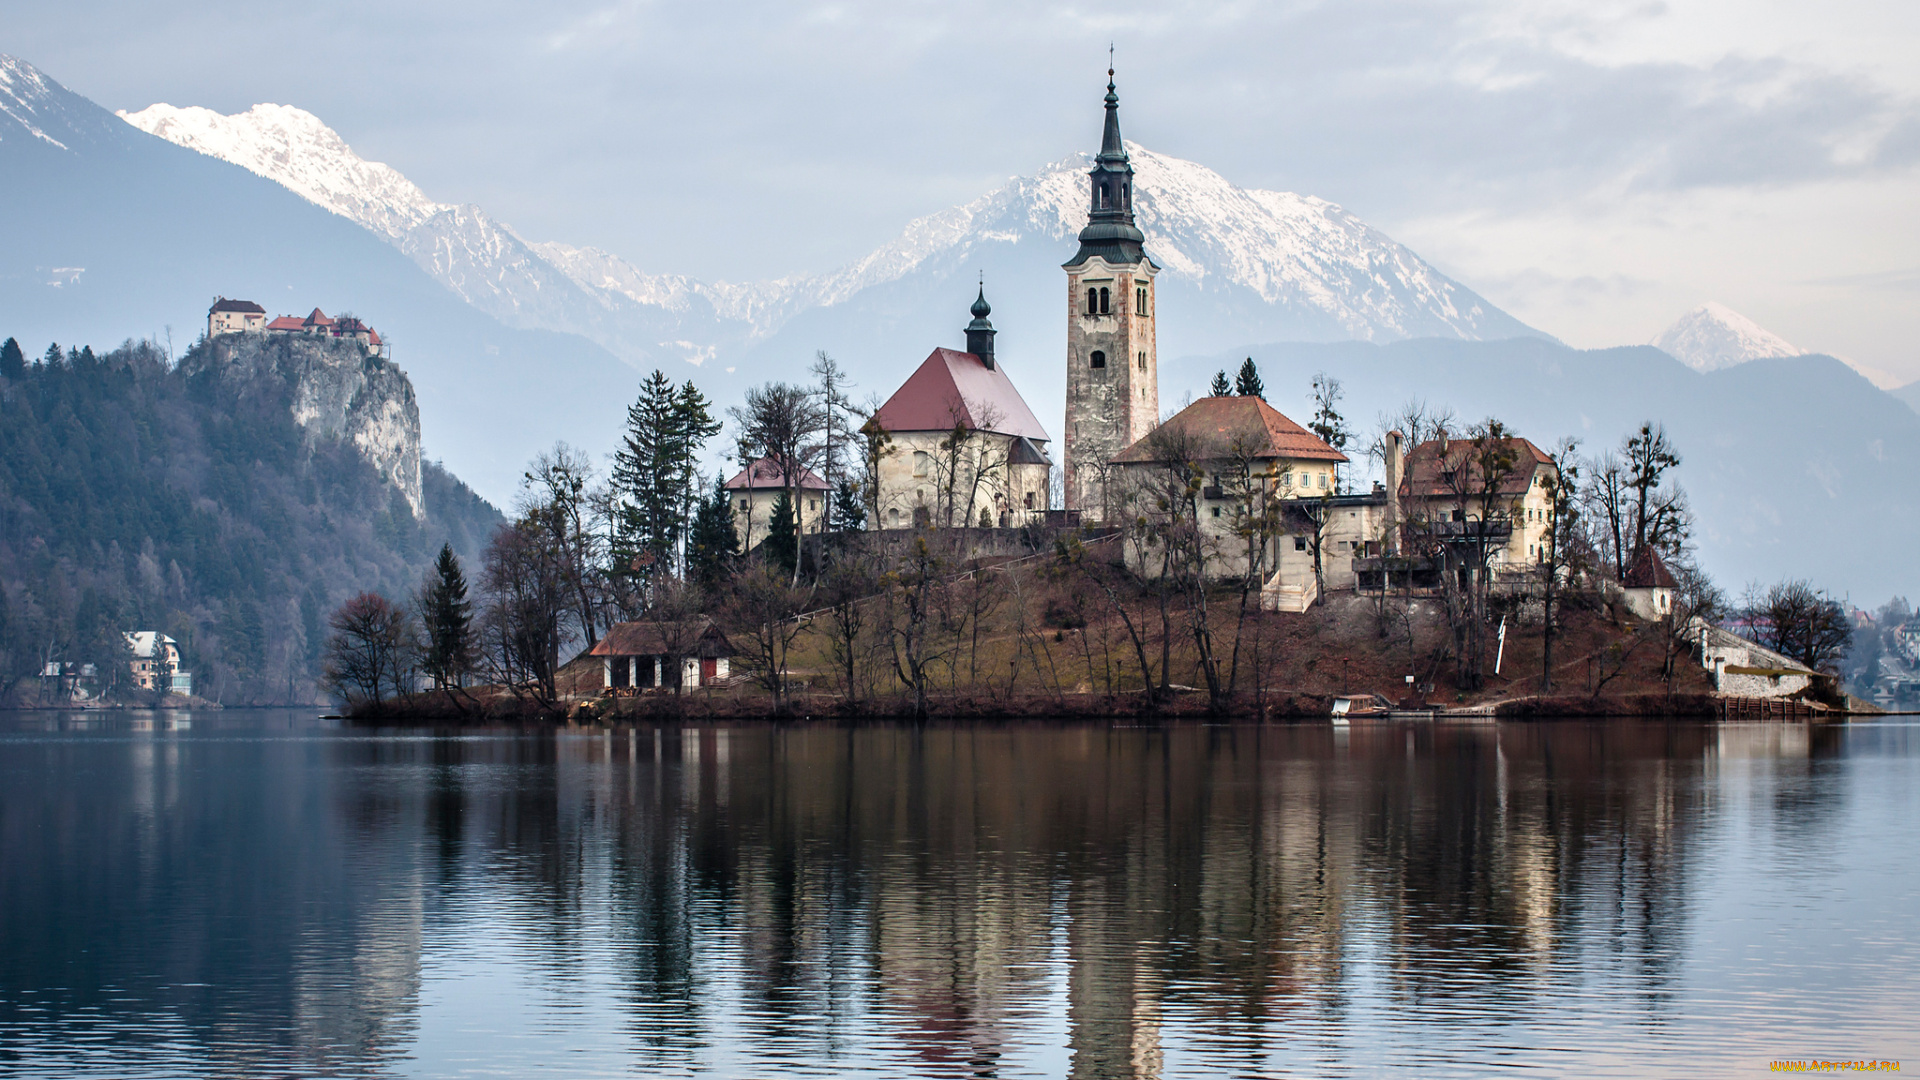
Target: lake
column 264, row 893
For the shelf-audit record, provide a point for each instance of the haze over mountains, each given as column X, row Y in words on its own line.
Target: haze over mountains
column 511, row 343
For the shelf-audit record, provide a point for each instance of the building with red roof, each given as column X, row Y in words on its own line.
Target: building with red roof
column 754, row 490
column 1443, row 490
column 318, row 324
column 965, row 449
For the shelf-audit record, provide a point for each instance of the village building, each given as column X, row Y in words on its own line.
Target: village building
column 1256, row 465
column 155, row 665
column 1649, row 586
column 755, row 490
column 672, row 655
column 1113, row 364
column 965, row 449
column 235, row 317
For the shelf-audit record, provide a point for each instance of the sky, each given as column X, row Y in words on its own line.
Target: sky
column 1594, row 167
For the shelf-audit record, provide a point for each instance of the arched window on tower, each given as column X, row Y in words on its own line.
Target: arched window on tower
column 1103, row 197
column 1093, row 301
column 1103, row 301
column 1098, row 359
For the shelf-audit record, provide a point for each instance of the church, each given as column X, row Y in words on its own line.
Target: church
column 965, row 448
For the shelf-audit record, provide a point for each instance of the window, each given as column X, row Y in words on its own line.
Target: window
column 813, row 506
column 1142, row 361
column 893, row 517
column 1216, row 511
column 922, row 463
column 1098, row 359
column 1140, row 299
column 1103, row 301
column 1029, row 500
column 1093, row 301
column 745, row 506
column 1299, row 543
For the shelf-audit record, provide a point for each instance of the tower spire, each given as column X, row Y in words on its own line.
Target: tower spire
column 1110, row 232
column 980, row 332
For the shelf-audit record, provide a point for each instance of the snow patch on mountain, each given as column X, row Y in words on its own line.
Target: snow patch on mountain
column 1714, row 336
column 1291, row 253
column 293, row 148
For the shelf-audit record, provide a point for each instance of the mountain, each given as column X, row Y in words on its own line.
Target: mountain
column 231, row 500
column 1714, row 336
column 113, row 233
column 1910, row 394
column 1246, row 262
column 1796, row 466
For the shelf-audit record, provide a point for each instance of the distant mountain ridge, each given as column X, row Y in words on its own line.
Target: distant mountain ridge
column 1714, row 336
column 1315, row 265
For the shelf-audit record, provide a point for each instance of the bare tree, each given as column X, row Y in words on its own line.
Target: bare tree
column 1795, row 620
column 523, row 624
column 768, row 605
column 847, row 588
column 782, row 422
column 555, row 498
column 1561, row 549
column 370, row 650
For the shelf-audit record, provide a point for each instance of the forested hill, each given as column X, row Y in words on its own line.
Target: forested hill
column 138, row 495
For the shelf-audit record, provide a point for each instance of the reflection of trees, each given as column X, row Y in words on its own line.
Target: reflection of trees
column 928, row 889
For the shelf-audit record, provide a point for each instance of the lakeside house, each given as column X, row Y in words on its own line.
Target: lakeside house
column 754, row 491
column 1744, row 668
column 966, row 450
column 664, row 655
column 155, row 664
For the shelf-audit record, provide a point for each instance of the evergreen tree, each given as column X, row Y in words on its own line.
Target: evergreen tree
column 13, row 362
column 849, row 508
column 1248, row 384
column 836, row 428
column 712, row 543
column 54, row 357
column 783, row 535
column 1221, row 387
column 447, row 617
column 654, row 470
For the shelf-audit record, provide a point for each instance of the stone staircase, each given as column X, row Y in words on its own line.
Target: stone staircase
column 1297, row 597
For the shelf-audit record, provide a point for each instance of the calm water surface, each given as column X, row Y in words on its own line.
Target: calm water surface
column 265, row 894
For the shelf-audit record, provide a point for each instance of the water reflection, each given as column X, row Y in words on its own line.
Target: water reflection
column 264, row 896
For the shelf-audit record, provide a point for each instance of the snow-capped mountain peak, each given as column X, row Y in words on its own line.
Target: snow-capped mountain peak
column 292, row 147
column 1714, row 336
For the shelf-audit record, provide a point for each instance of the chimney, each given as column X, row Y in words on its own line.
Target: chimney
column 1396, row 466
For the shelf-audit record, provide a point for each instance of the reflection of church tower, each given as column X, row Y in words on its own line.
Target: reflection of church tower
column 1113, row 372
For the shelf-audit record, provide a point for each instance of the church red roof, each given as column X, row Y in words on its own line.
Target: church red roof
column 955, row 387
column 1649, row 571
column 1220, row 418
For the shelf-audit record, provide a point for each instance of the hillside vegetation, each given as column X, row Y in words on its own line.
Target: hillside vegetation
column 140, row 495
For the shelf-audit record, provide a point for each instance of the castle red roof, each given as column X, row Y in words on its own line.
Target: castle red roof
column 287, row 322
column 959, row 388
column 765, row 475
column 318, row 318
column 1219, row 419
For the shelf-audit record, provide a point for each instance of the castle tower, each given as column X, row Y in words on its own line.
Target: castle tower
column 1113, row 369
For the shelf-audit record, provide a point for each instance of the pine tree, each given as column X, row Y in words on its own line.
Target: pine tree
column 1221, row 387
column 783, row 535
column 712, row 543
column 447, row 617
column 1248, row 384
column 849, row 508
column 654, row 470
column 13, row 362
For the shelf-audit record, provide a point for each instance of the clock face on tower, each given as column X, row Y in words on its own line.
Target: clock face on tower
column 1113, row 388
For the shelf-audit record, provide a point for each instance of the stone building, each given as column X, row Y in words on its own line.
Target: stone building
column 754, row 490
column 1743, row 668
column 1113, row 368
column 1444, row 498
column 965, row 449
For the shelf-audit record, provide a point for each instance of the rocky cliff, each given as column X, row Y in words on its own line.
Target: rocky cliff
column 336, row 390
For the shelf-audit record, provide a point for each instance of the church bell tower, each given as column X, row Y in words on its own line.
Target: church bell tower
column 1113, row 370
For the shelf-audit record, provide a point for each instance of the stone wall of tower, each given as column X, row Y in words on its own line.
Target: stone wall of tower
column 1110, row 407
